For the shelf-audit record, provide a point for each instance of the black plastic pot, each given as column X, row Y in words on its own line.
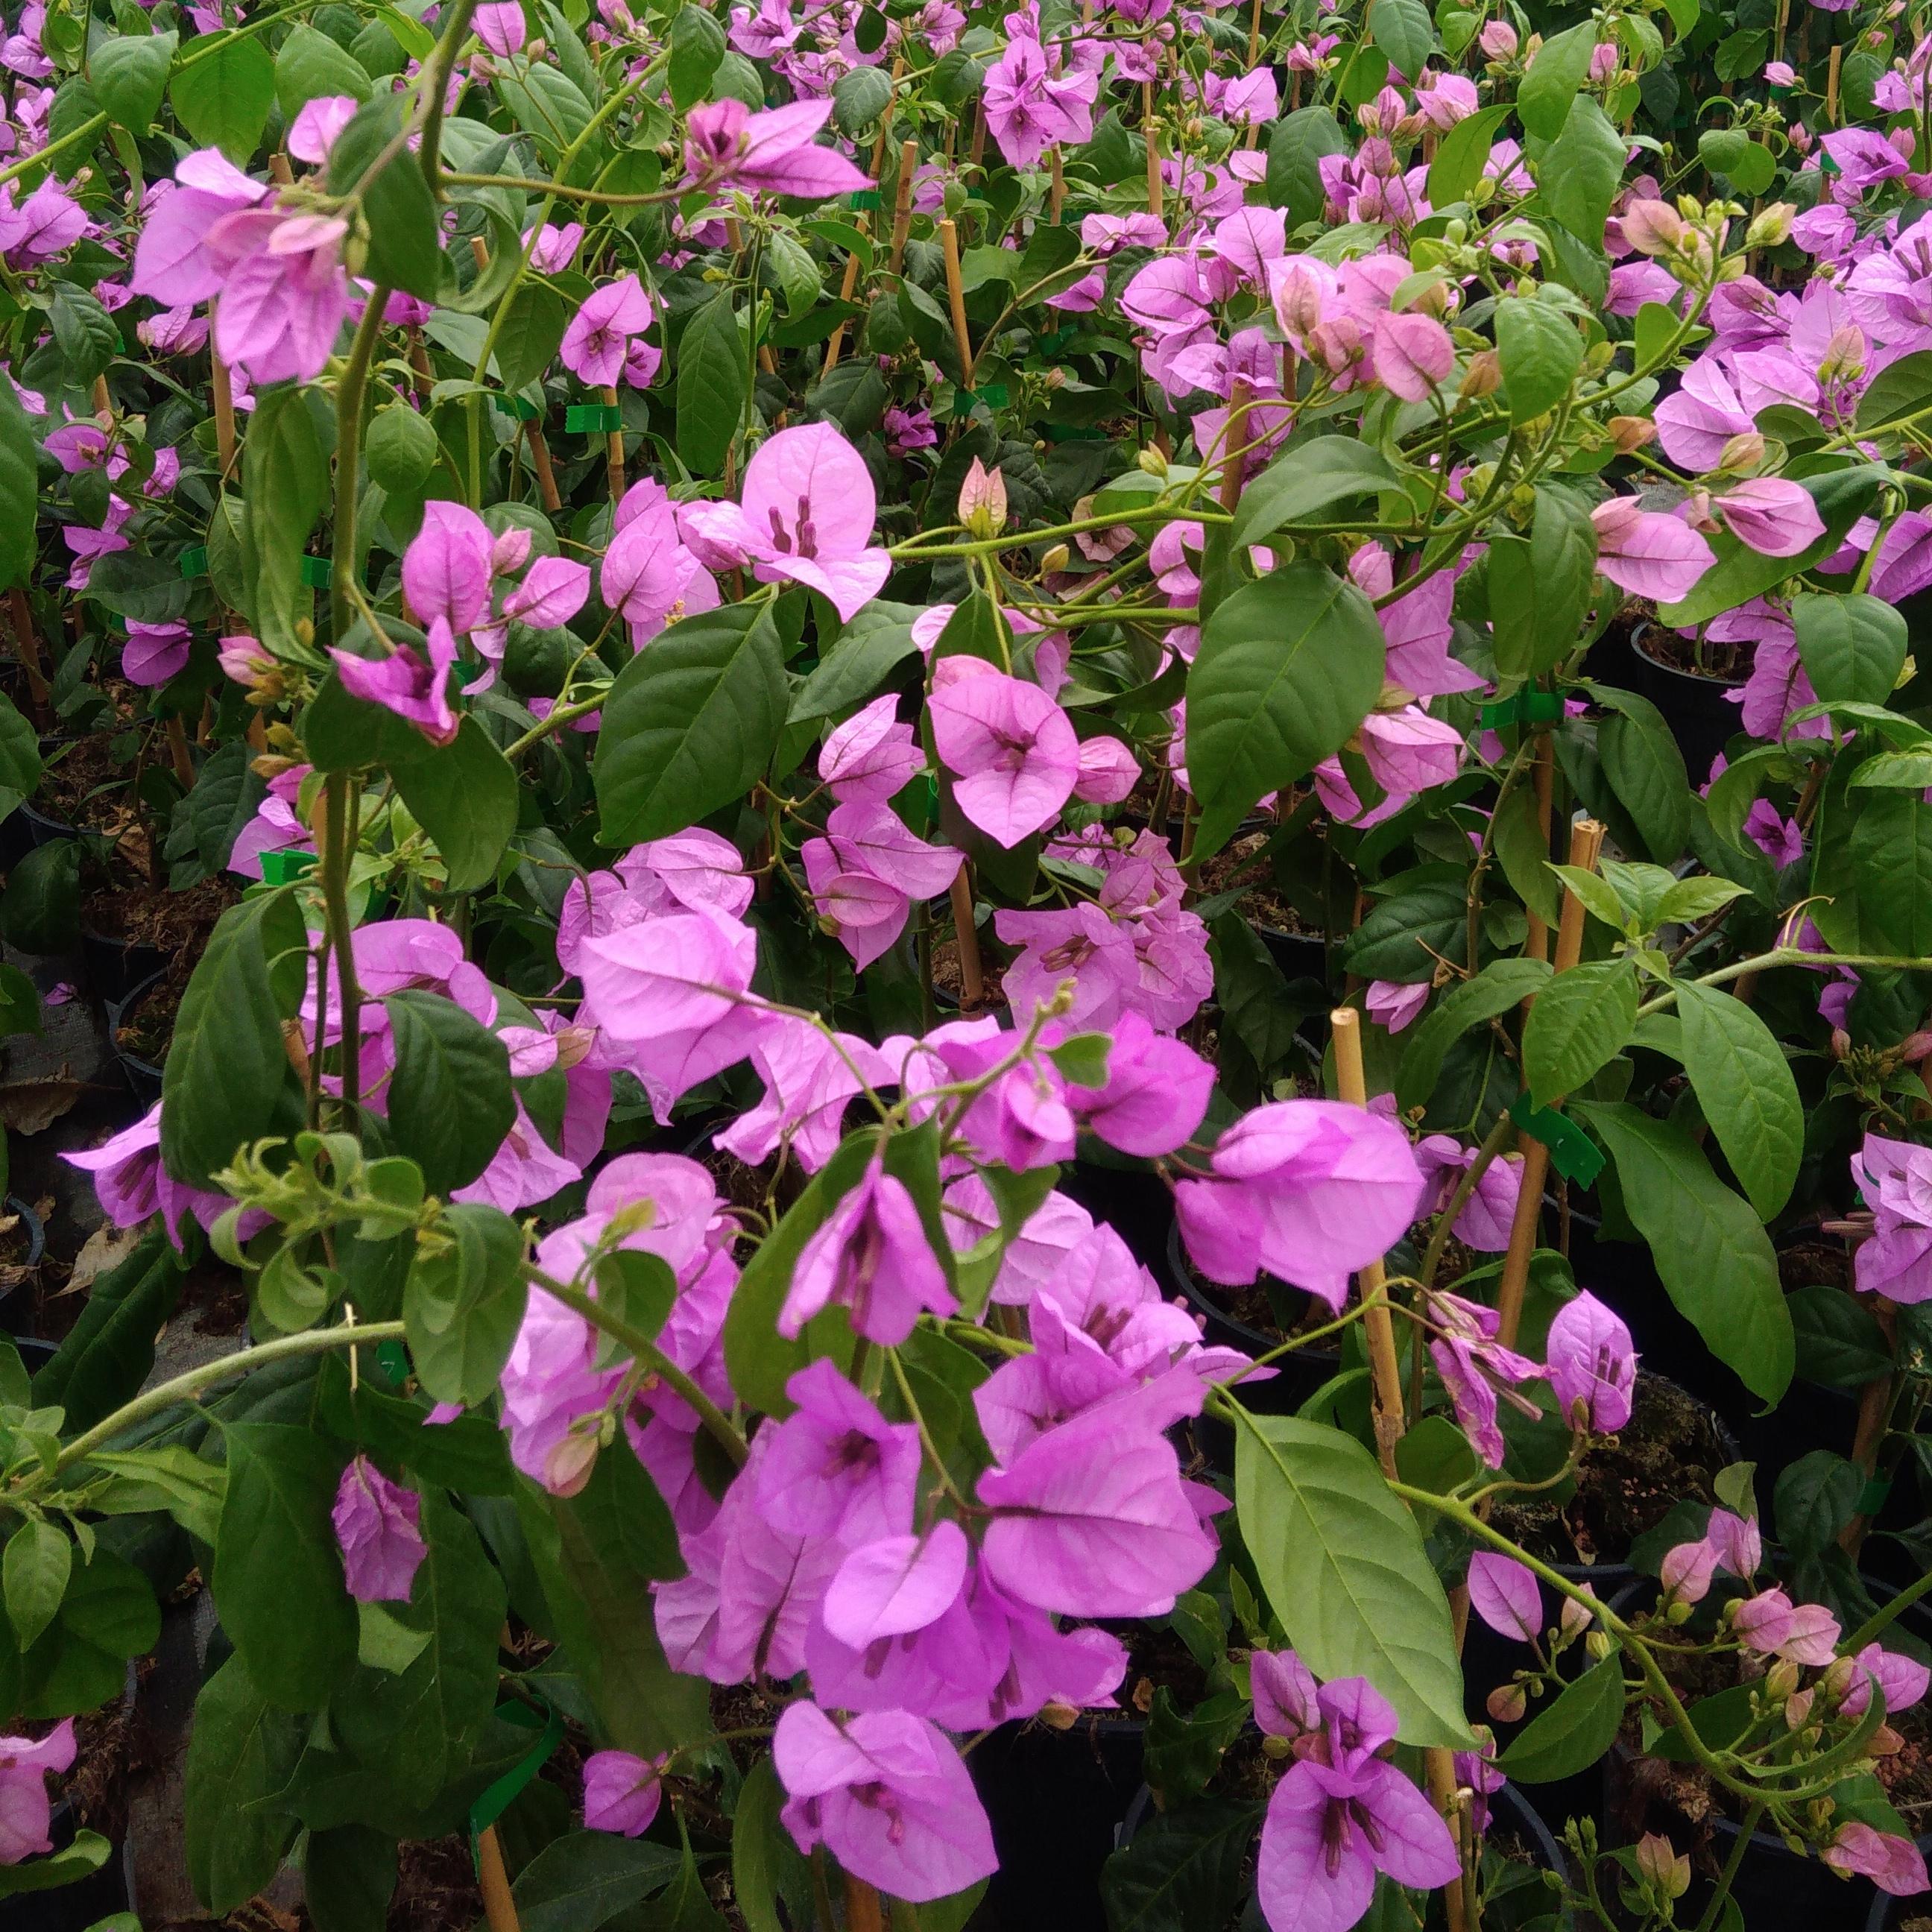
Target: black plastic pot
column 114, row 968
column 23, row 829
column 1057, row 1802
column 143, row 1077
column 74, row 1908
column 1298, row 1376
column 1702, row 716
column 17, row 1304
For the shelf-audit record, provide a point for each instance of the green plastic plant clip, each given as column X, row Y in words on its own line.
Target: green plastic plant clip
column 283, row 869
column 316, row 572
column 862, row 198
column 1572, row 1153
column 1525, row 707
column 1871, row 1498
column 496, row 1798
column 994, row 395
column 593, row 418
column 523, row 410
column 194, row 563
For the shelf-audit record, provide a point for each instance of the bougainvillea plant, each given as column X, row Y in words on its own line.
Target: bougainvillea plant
column 1040, row 831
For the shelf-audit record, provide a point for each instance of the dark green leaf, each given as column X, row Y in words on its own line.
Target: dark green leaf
column 1743, row 1083
column 1312, row 474
column 130, row 75
column 711, row 379
column 1574, row 1731
column 464, row 796
column 239, row 1756
column 450, row 1102
column 1498, row 988
column 224, row 97
column 1581, row 1020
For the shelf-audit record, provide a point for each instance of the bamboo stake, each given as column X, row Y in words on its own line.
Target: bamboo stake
column 1056, row 193
column 1384, row 1366
column 1586, row 840
column 499, row 1907
column 103, row 403
column 1154, row 185
column 1875, row 1403
column 835, row 347
column 956, row 292
column 177, row 750
column 613, row 449
column 972, row 981
column 1438, row 1766
column 224, row 397
column 552, row 498
column 1831, row 85
column 1537, row 945
column 27, row 645
column 977, row 149
column 1254, row 35
column 902, row 203
column 1233, row 441
column 863, row 1913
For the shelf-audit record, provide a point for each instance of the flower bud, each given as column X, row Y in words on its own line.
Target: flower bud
column 1631, row 433
column 1914, row 1047
column 1151, row 463
column 1781, row 1681
column 1277, row 1748
column 1507, row 1703
column 1771, row 227
column 1678, row 1612
column 1498, row 40
column 1743, row 455
column 1652, row 227
column 1841, row 1043
column 1598, row 1645
column 1844, row 359
column 1884, row 1742
column 1057, row 1716
column 982, row 500
column 1665, row 1869
column 1484, row 375
column 1055, row 560
column 1838, row 1679
column 1798, row 1709
column 1573, row 1619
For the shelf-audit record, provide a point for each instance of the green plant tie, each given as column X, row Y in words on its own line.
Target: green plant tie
column 1572, row 1152
column 593, row 418
column 497, row 1798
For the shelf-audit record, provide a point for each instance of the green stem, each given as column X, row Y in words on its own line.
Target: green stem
column 184, row 1387
column 1881, row 1619
column 714, row 1420
column 1714, row 1911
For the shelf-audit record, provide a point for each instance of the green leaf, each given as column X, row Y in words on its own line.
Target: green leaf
column 583, row 1880
column 1252, row 991
column 463, row 1304
column 239, row 1756
column 1288, row 669
column 689, row 723
column 1882, row 903
column 1462, row 154
column 20, row 489
column 1403, row 31
column 309, row 65
column 371, row 158
column 1522, row 850
column 1645, row 769
column 711, row 379
column 761, row 1361
column 1296, row 148
column 765, row 1865
column 285, row 483
column 859, row 98
column 532, row 330
column 1581, row 1020
column 697, row 46
column 598, row 1574
column 877, row 641
column 1574, row 1731
column 1743, row 1083
column 87, row 1853
column 104, row 1358
column 1712, row 1254
column 277, row 1549
column 1314, row 474
column 1579, row 176
column 34, row 1569
column 1182, row 1870
column 39, row 912
column 1344, row 1567
column 1541, row 586
column 1557, row 71
column 349, row 1876
column 342, row 734
column 464, row 796
column 1500, row 987
column 1816, row 1497
column 1405, row 936
column 450, row 1102
column 1840, row 1343
column 169, row 1477
column 1852, row 645
column 227, row 1081
column 1540, row 351
column 1900, row 389
column 129, row 74
column 224, row 98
